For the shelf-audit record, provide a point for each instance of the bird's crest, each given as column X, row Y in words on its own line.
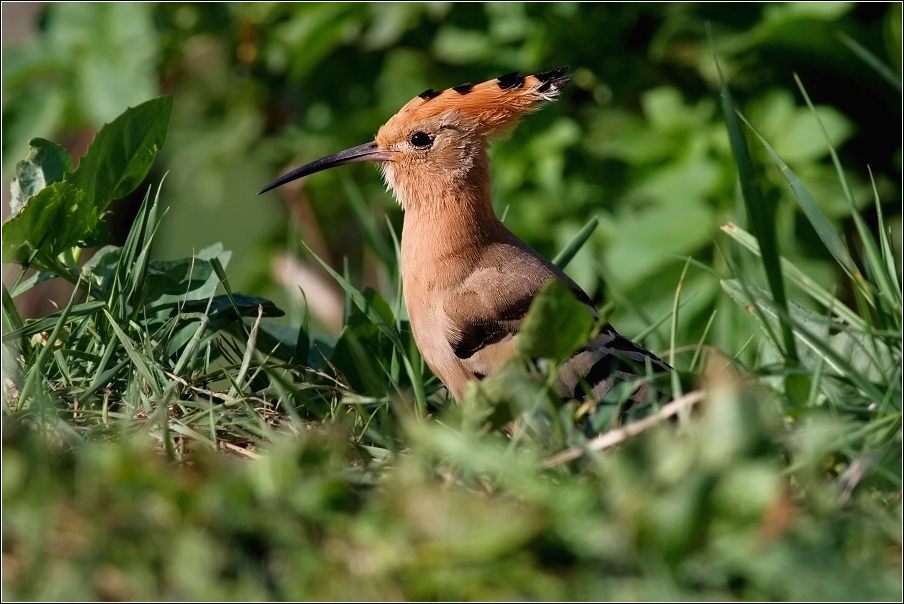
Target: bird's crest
column 494, row 105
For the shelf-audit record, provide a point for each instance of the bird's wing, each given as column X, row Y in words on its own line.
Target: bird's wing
column 486, row 311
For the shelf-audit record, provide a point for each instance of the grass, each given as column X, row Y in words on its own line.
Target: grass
column 162, row 439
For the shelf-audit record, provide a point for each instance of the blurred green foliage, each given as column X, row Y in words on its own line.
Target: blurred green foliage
column 702, row 515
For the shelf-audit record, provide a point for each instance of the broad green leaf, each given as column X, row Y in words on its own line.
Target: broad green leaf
column 27, row 284
column 556, row 324
column 59, row 217
column 176, row 277
column 281, row 340
column 361, row 343
column 101, row 267
column 45, row 164
column 69, row 213
column 209, row 286
column 122, row 152
column 221, row 310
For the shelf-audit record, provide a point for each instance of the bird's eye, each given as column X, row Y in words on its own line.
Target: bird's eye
column 420, row 140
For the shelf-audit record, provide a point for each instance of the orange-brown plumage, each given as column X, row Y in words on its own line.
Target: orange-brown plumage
column 468, row 281
column 494, row 105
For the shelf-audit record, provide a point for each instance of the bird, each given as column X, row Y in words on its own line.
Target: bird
column 467, row 280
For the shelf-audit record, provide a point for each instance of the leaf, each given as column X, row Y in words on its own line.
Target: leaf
column 101, row 267
column 123, row 151
column 69, row 213
column 360, row 343
column 176, row 277
column 209, row 286
column 281, row 340
column 556, row 323
column 221, row 312
column 37, row 277
column 45, row 164
column 59, row 217
column 850, row 354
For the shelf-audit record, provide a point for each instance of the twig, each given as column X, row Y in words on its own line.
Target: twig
column 619, row 435
column 241, row 450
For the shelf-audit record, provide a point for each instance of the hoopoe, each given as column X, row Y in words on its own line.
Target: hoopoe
column 467, row 280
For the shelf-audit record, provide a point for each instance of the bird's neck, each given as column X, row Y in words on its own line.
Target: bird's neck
column 452, row 218
column 446, row 228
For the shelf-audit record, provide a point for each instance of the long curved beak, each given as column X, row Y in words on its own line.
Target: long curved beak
column 366, row 152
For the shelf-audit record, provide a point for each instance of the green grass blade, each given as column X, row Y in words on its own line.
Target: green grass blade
column 101, row 379
column 759, row 214
column 799, row 278
column 377, row 319
column 577, row 242
column 249, row 351
column 697, row 353
column 676, row 382
column 191, row 348
column 361, row 302
column 872, row 60
column 224, row 281
column 11, row 319
column 811, row 209
column 135, row 355
column 887, row 254
column 80, row 310
column 35, row 372
column 869, row 245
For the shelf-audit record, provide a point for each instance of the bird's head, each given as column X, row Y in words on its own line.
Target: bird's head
column 437, row 142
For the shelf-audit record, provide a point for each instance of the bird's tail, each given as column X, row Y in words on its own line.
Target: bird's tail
column 607, row 360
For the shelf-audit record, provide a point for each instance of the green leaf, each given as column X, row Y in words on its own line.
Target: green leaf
column 176, row 277
column 37, row 277
column 101, row 267
column 45, row 164
column 209, row 286
column 797, row 276
column 222, row 312
column 69, row 213
column 849, row 354
column 122, row 152
column 556, row 323
column 59, row 217
column 282, row 341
